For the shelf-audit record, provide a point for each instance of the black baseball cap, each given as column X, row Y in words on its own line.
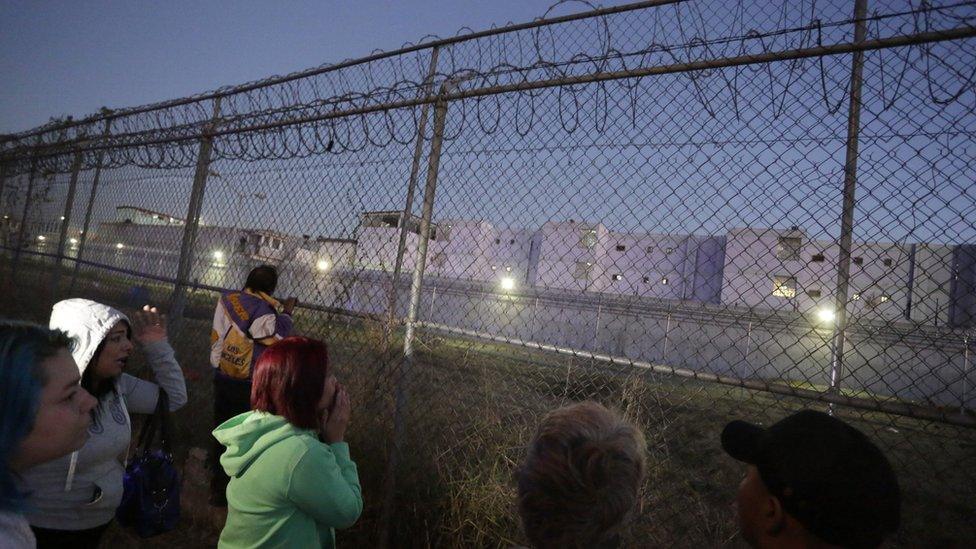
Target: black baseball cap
column 826, row 474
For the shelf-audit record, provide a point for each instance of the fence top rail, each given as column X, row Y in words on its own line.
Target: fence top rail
column 195, row 132
column 63, row 126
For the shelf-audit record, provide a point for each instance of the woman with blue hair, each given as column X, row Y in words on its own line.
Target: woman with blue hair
column 44, row 414
column 74, row 498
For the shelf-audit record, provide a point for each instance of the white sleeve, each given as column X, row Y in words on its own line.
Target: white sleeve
column 141, row 395
column 265, row 326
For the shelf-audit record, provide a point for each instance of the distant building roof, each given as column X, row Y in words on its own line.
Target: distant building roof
column 149, row 212
column 269, row 232
column 324, row 239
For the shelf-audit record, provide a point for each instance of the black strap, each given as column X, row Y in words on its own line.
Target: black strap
column 160, row 419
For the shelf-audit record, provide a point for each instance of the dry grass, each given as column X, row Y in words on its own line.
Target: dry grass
column 472, row 406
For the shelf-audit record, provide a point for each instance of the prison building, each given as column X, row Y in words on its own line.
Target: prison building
column 326, row 255
column 572, row 256
column 589, row 257
column 463, row 250
column 512, row 256
column 785, row 270
column 378, row 237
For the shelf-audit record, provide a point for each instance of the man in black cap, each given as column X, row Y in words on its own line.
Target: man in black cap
column 813, row 481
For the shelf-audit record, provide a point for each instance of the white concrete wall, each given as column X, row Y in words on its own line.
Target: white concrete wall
column 876, row 291
column 879, row 275
column 339, row 254
column 511, row 254
column 933, row 282
column 562, row 249
column 376, row 249
column 751, row 262
column 651, row 265
column 463, row 250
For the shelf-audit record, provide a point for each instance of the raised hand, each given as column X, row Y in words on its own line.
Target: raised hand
column 338, row 418
column 149, row 325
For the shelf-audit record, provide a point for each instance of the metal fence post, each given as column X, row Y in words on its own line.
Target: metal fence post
column 86, row 226
column 65, row 221
column 965, row 373
column 748, row 343
column 6, row 225
column 433, row 163
column 5, row 221
column 596, row 332
column 3, row 181
column 667, row 333
column 23, row 220
column 440, row 117
column 433, row 298
column 187, row 246
column 847, row 213
column 418, row 151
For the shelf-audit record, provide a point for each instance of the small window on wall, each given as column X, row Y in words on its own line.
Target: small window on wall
column 876, row 301
column 817, row 258
column 788, row 248
column 588, row 238
column 649, row 249
column 857, row 260
column 508, row 269
column 512, row 241
column 784, row 286
column 664, row 281
column 814, row 293
column 647, row 279
column 621, row 247
column 886, row 262
column 668, row 250
column 617, row 277
column 498, row 241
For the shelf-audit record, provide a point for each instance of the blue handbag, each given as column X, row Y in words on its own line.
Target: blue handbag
column 151, row 497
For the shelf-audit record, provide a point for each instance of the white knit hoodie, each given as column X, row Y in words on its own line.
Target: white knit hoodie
column 83, row 490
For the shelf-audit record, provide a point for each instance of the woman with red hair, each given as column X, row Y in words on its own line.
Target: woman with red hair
column 292, row 480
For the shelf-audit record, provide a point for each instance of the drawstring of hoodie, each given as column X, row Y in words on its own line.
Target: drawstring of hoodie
column 71, row 471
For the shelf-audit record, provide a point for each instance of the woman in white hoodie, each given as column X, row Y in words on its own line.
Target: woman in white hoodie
column 73, row 499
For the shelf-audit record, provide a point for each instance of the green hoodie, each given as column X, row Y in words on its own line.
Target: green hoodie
column 287, row 489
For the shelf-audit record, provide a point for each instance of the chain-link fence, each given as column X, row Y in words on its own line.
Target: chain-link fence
column 690, row 210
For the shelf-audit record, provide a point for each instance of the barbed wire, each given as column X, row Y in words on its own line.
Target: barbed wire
column 163, row 138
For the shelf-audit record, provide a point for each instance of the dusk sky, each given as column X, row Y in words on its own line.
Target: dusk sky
column 59, row 58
